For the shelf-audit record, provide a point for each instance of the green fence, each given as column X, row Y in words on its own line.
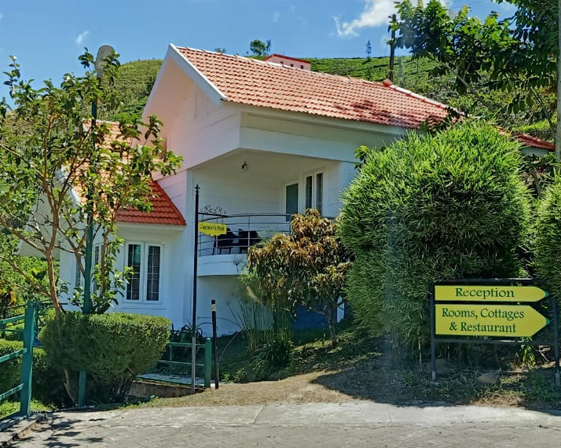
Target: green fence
column 26, row 353
column 185, row 366
column 12, row 316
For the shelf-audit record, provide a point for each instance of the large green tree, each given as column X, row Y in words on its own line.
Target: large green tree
column 519, row 54
column 63, row 172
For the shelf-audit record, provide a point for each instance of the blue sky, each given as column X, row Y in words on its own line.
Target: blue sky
column 47, row 36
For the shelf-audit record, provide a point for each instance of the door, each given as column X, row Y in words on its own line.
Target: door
column 291, row 200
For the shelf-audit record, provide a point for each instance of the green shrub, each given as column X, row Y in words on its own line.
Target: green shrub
column 429, row 208
column 9, row 370
column 112, row 348
column 548, row 238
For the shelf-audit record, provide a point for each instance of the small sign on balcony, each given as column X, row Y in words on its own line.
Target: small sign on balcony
column 212, row 228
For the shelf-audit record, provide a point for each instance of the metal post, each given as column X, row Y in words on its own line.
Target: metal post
column 215, row 345
column 432, row 338
column 88, row 266
column 208, row 362
column 27, row 361
column 556, row 338
column 392, row 47
column 194, row 319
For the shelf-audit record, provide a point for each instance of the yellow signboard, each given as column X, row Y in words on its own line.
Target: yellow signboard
column 212, row 228
column 488, row 293
column 488, row 320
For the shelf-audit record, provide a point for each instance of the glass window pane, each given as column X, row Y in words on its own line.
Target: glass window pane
column 319, row 192
column 291, row 200
column 309, row 187
column 153, row 274
column 133, row 261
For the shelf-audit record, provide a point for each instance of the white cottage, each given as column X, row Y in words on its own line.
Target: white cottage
column 263, row 140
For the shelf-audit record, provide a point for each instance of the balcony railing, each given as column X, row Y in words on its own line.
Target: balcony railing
column 243, row 231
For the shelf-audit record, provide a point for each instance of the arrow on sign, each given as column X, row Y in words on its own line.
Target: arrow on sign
column 508, row 321
column 488, row 293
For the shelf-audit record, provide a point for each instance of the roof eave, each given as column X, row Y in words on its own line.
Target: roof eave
column 214, row 94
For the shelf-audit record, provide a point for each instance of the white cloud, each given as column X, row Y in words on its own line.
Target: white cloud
column 375, row 13
column 80, row 39
column 1, row 16
column 276, row 17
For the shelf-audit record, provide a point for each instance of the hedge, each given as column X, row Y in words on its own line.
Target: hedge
column 9, row 370
column 113, row 348
column 548, row 238
column 432, row 207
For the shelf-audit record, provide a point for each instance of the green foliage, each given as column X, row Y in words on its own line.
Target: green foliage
column 112, row 348
column 548, row 238
column 540, row 129
column 134, row 80
column 433, row 207
column 260, row 48
column 48, row 153
column 308, row 267
column 268, row 361
column 9, row 370
column 515, row 55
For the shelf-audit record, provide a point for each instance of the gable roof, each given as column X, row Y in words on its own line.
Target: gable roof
column 251, row 82
column 163, row 210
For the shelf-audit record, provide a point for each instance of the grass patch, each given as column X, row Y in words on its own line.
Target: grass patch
column 10, row 407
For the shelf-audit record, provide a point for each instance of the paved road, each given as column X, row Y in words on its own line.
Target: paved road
column 353, row 424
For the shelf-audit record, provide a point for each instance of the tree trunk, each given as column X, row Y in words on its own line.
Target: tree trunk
column 331, row 313
column 52, row 283
column 558, row 128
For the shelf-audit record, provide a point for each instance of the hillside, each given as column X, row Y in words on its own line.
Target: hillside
column 137, row 78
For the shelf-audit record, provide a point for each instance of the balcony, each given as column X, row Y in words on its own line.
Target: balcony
column 226, row 254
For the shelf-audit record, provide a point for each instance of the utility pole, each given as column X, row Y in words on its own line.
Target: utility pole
column 194, row 320
column 103, row 53
column 393, row 25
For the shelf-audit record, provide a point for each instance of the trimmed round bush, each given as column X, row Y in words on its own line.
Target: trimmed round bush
column 113, row 348
column 429, row 208
column 548, row 238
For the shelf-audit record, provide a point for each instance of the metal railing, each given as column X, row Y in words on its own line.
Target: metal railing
column 184, row 367
column 11, row 316
column 244, row 231
column 26, row 353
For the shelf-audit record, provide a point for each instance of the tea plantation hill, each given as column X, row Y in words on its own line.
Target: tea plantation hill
column 137, row 78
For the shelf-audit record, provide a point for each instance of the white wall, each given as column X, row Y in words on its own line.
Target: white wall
column 172, row 286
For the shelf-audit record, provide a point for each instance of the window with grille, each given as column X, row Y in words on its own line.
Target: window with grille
column 144, row 260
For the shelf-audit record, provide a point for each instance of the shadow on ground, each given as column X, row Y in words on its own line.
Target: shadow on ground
column 54, row 432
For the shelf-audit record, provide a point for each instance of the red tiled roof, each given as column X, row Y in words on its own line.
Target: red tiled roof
column 163, row 210
column 259, row 83
column 256, row 83
column 534, row 142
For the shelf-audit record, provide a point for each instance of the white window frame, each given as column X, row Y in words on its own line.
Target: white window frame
column 144, row 272
column 314, row 176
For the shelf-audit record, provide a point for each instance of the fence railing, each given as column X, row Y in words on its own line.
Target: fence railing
column 11, row 316
column 179, row 367
column 243, row 231
column 26, row 353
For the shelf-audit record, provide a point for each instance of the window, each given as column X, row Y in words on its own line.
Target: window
column 314, row 192
column 144, row 260
column 309, row 191
column 319, row 192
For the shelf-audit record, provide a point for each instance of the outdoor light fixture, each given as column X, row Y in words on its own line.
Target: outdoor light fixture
column 244, row 165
